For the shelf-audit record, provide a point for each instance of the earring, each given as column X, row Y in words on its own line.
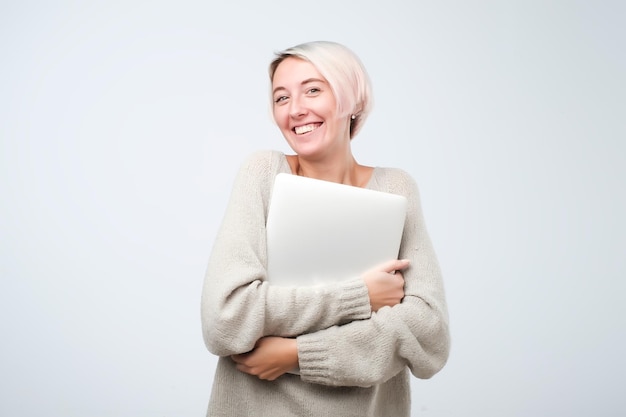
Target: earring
column 353, row 116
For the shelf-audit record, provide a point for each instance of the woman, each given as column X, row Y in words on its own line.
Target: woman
column 354, row 340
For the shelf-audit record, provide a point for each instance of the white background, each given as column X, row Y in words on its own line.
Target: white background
column 122, row 124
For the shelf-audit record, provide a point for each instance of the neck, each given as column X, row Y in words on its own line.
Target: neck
column 340, row 170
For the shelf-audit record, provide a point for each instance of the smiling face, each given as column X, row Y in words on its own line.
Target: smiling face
column 305, row 110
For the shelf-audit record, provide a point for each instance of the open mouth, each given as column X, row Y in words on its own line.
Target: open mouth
column 301, row 130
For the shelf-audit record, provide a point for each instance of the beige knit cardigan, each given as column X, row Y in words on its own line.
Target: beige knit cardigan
column 352, row 362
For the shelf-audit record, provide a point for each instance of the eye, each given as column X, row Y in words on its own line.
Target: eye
column 314, row 90
column 280, row 99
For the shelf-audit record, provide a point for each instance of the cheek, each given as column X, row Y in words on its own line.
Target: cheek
column 280, row 117
column 329, row 110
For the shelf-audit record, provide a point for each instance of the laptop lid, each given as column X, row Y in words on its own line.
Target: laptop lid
column 320, row 231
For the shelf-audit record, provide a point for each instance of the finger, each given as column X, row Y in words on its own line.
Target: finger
column 240, row 358
column 243, row 368
column 395, row 265
column 270, row 376
column 398, row 275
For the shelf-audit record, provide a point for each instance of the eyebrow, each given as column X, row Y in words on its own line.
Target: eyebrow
column 307, row 81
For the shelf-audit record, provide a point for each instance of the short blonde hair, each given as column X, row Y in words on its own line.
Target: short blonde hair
column 344, row 72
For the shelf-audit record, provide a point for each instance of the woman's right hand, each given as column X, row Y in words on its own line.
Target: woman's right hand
column 385, row 287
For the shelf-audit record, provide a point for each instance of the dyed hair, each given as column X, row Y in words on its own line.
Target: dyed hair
column 344, row 72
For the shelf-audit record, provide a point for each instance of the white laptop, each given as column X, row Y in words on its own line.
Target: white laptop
column 320, row 231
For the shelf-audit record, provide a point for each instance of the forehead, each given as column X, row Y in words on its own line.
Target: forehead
column 294, row 71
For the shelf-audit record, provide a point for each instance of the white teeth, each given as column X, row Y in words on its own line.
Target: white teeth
column 304, row 129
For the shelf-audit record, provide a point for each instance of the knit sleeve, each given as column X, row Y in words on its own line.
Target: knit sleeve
column 413, row 333
column 238, row 305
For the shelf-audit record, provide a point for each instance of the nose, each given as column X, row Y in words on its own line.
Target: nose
column 296, row 108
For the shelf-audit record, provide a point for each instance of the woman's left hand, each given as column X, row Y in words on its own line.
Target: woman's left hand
column 271, row 357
